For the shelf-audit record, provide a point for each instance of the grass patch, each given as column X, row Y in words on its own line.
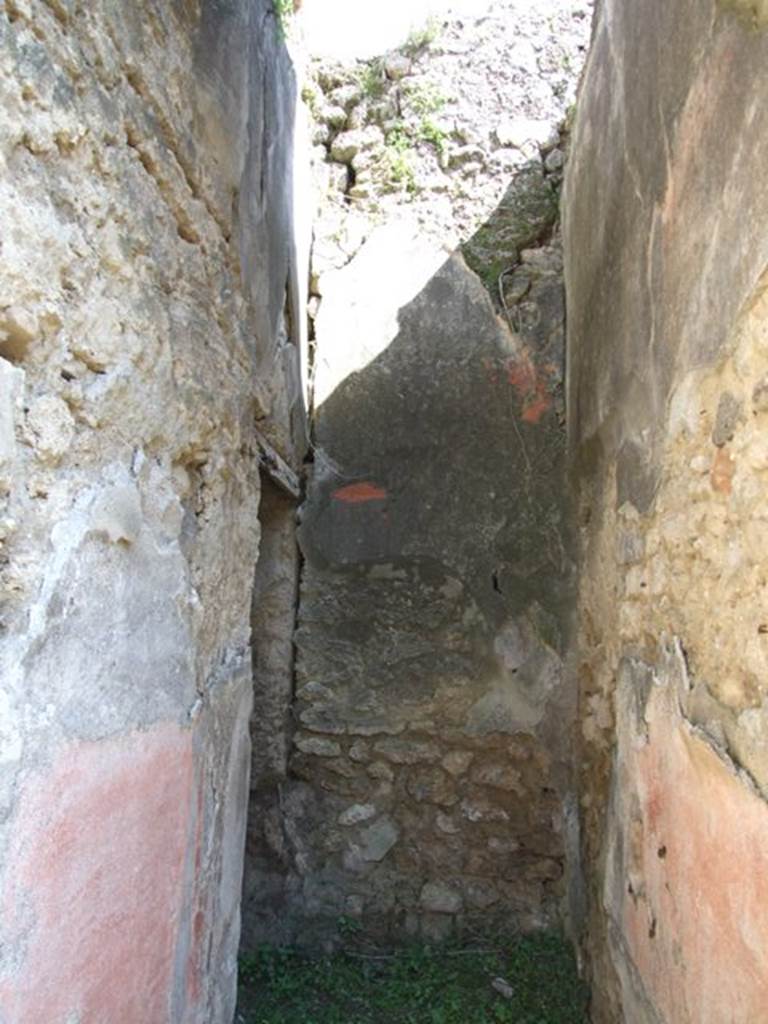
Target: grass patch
column 372, row 78
column 398, row 158
column 423, row 100
column 418, row 985
column 310, row 98
column 283, row 10
column 421, row 37
column 431, row 132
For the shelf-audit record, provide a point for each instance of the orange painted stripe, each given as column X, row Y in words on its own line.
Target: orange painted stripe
column 354, row 494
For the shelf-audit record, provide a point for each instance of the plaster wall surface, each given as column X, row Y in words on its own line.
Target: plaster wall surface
column 432, row 728
column 665, row 208
column 146, row 212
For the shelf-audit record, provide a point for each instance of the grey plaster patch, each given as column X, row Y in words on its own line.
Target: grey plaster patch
column 634, row 684
column 730, row 413
column 760, row 396
column 637, row 476
column 503, row 710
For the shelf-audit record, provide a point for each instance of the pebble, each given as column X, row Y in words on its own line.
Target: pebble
column 502, row 986
column 356, row 813
column 555, row 160
column 397, row 66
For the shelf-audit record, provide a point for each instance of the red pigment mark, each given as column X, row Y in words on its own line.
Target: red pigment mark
column 522, row 376
column 535, row 409
column 194, row 961
column 195, row 967
column 721, row 474
column 704, row 960
column 93, row 882
column 355, row 494
column 531, row 389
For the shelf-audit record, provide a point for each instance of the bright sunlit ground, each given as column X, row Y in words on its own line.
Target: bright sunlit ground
column 366, row 28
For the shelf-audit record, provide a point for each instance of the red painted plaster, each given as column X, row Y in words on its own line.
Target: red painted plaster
column 721, row 474
column 93, row 883
column 531, row 388
column 535, row 408
column 355, row 494
column 195, row 962
column 698, row 927
column 521, row 374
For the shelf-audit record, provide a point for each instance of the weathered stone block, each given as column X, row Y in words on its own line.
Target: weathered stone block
column 439, row 898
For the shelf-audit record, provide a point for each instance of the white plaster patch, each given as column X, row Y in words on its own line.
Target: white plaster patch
column 685, row 406
column 117, row 513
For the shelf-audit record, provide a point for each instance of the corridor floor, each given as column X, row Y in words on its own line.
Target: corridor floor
column 526, row 980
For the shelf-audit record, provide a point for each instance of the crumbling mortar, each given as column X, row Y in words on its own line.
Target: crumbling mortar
column 137, row 83
column 183, row 222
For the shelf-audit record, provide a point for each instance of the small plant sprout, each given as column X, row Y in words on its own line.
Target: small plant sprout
column 283, row 9
column 420, row 38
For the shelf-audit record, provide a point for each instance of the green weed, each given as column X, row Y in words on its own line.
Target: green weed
column 398, row 158
column 417, row 985
column 283, row 10
column 420, row 38
column 310, row 98
column 433, row 133
column 423, row 100
column 372, row 78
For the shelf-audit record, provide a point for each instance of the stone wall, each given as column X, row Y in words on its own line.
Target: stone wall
column 666, row 252
column 267, row 861
column 432, row 720
column 146, row 210
column 428, row 790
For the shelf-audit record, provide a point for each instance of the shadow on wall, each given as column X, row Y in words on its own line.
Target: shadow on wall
column 430, row 761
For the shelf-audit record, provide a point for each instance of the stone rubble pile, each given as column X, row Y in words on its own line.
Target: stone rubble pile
column 438, row 128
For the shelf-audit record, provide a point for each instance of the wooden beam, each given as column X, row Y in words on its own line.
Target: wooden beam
column 277, row 469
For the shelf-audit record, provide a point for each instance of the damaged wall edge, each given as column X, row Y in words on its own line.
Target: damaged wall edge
column 666, row 434
column 142, row 328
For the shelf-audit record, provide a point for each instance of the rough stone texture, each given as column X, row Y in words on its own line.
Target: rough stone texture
column 432, row 606
column 665, row 256
column 145, row 155
column 432, row 730
column 449, row 122
column 272, row 622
